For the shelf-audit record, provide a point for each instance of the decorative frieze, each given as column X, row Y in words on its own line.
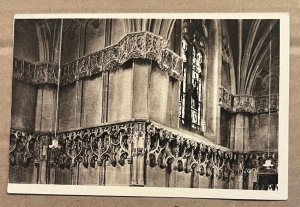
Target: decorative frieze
column 95, row 146
column 35, row 73
column 247, row 103
column 263, row 162
column 27, row 148
column 122, row 143
column 225, row 99
column 262, row 103
column 166, row 148
column 143, row 45
column 243, row 103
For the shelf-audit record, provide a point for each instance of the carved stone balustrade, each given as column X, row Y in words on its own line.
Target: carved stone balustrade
column 262, row 103
column 144, row 45
column 35, row 73
column 247, row 103
column 257, row 160
column 27, row 147
column 243, row 103
column 225, row 99
column 138, row 144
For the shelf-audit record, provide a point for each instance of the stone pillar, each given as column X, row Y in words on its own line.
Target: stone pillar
column 138, row 155
column 45, row 122
column 232, row 133
column 78, row 103
column 241, row 132
column 252, row 177
column 102, row 171
column 213, row 81
column 158, row 95
column 214, row 179
column 173, row 103
column 104, row 94
column 45, row 108
column 141, row 73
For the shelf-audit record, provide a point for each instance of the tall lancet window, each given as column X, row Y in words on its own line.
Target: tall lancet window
column 192, row 53
column 183, row 84
column 197, row 90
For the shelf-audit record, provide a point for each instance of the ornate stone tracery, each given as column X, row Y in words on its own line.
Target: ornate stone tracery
column 120, row 143
column 248, row 103
column 35, row 73
column 262, row 103
column 225, row 99
column 27, row 148
column 144, row 45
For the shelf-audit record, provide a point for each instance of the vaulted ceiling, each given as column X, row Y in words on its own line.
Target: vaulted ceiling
column 254, row 45
column 255, row 49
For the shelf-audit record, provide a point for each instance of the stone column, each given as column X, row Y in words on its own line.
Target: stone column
column 78, row 103
column 141, row 73
column 45, row 108
column 241, row 132
column 213, row 81
column 45, row 122
column 138, row 154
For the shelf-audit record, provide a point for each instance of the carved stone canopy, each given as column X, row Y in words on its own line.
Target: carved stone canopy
column 143, row 45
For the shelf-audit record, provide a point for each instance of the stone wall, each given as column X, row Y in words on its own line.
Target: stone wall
column 67, row 107
column 259, row 132
column 120, row 95
column 225, row 128
column 45, row 108
column 26, row 42
column 24, row 95
column 92, row 101
column 23, row 110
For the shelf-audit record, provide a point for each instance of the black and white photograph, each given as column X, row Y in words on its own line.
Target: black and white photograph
column 163, row 105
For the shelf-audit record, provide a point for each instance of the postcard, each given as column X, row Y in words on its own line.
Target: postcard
column 150, row 104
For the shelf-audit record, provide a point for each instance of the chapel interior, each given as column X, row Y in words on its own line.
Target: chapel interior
column 189, row 103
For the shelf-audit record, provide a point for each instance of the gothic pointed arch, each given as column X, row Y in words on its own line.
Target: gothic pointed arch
column 162, row 27
column 48, row 32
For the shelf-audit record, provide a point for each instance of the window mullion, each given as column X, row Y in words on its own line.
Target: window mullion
column 189, row 86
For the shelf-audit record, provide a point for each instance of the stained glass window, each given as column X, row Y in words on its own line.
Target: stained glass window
column 196, row 97
column 194, row 69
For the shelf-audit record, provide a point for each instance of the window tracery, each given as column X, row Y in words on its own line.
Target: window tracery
column 193, row 56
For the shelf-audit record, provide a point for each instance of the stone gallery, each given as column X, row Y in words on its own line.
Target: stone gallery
column 189, row 103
